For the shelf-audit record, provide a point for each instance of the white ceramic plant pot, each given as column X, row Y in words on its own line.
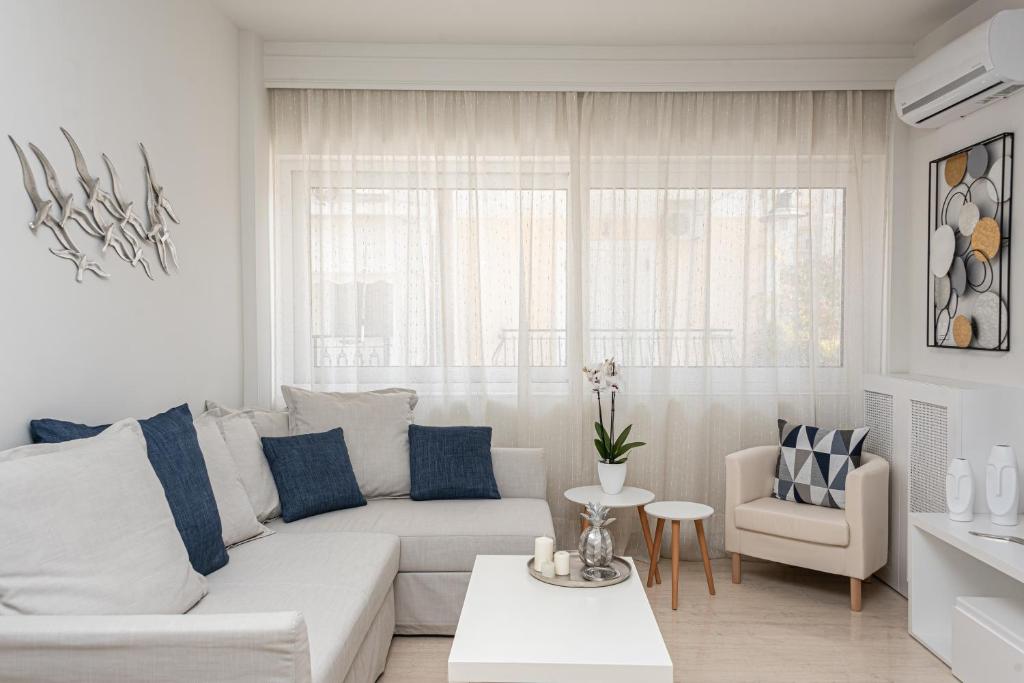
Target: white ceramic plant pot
column 612, row 477
column 1002, row 486
column 960, row 491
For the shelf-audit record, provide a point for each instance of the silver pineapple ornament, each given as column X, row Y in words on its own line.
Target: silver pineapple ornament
column 595, row 547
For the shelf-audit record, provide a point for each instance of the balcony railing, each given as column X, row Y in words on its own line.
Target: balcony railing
column 548, row 348
column 637, row 348
column 351, row 352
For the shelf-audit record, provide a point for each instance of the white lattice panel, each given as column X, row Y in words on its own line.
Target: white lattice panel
column 929, row 456
column 878, row 416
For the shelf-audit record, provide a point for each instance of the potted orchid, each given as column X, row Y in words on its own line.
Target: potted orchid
column 612, row 450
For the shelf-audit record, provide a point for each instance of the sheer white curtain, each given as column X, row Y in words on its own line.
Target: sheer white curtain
column 727, row 248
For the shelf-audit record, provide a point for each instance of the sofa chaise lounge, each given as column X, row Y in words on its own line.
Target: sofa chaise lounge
column 319, row 600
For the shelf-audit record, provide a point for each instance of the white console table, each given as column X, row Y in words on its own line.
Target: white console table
column 947, row 562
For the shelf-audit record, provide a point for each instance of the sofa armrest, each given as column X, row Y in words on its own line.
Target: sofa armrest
column 867, row 514
column 520, row 472
column 179, row 647
column 749, row 474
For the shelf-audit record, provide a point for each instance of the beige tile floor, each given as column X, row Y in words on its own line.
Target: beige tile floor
column 780, row 624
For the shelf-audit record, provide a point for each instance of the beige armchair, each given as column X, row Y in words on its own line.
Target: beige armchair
column 853, row 542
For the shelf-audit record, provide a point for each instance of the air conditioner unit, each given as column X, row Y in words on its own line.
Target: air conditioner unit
column 984, row 65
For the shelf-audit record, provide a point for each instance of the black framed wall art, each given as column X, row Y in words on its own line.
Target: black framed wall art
column 969, row 219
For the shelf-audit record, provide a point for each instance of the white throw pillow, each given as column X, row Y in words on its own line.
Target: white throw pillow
column 85, row 529
column 376, row 428
column 267, row 422
column 237, row 517
column 247, row 451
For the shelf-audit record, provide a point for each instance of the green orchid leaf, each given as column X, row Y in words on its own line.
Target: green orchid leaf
column 630, row 446
column 622, row 439
column 601, row 449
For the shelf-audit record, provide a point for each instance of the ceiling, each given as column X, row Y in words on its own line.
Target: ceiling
column 594, row 22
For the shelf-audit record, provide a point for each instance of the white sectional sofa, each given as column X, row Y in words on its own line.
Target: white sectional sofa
column 318, row 600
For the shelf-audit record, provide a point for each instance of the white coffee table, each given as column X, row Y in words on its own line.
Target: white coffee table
column 629, row 496
column 515, row 628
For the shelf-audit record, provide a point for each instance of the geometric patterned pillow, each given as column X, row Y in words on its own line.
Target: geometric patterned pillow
column 813, row 463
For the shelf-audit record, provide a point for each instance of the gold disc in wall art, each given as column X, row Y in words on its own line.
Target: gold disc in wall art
column 962, row 331
column 956, row 166
column 986, row 238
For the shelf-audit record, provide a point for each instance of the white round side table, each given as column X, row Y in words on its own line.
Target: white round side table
column 630, row 496
column 678, row 511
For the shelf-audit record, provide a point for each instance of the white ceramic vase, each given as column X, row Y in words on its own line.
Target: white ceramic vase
column 960, row 491
column 612, row 477
column 1002, row 486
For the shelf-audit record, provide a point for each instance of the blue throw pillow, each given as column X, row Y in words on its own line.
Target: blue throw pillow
column 313, row 474
column 451, row 462
column 58, row 431
column 174, row 453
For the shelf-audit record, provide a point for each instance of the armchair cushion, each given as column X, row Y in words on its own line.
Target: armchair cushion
column 814, row 463
column 786, row 519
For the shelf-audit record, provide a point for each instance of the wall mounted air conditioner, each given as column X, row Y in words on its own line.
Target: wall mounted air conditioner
column 984, row 65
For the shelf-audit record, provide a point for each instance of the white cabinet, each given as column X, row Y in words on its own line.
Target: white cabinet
column 919, row 424
column 988, row 640
column 947, row 563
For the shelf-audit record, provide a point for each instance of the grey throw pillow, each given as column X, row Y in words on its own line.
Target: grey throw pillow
column 85, row 528
column 376, row 426
column 814, row 462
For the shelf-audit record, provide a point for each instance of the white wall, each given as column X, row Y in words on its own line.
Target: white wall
column 909, row 351
column 117, row 72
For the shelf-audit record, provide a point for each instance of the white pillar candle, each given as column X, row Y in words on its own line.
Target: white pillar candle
column 562, row 563
column 543, row 551
column 547, row 569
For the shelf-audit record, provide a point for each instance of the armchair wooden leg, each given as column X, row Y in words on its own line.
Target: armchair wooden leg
column 737, row 569
column 855, row 602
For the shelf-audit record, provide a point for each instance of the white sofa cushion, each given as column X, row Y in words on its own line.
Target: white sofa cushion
column 441, row 535
column 266, row 421
column 247, row 451
column 237, row 518
column 157, row 648
column 85, row 528
column 788, row 519
column 337, row 581
column 376, row 428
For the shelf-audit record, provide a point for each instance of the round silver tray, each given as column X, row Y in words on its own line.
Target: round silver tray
column 575, row 578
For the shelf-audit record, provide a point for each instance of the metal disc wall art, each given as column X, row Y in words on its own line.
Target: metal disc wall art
column 108, row 217
column 970, row 214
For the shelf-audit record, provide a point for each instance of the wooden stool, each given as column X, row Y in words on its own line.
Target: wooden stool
column 676, row 512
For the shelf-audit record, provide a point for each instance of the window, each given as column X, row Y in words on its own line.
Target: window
column 677, row 277
column 419, row 277
column 487, row 243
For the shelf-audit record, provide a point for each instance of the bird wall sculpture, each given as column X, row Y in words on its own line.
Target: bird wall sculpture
column 108, row 217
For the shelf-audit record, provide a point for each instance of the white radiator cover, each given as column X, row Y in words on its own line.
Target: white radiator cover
column 918, row 423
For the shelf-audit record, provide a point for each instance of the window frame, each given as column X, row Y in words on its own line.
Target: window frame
column 292, row 174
